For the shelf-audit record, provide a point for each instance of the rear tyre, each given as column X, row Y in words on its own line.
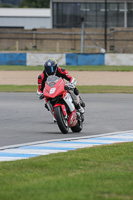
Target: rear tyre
column 79, row 125
column 61, row 121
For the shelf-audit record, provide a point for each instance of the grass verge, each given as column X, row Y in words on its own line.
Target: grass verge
column 18, row 88
column 69, row 68
column 82, row 89
column 106, row 89
column 98, row 173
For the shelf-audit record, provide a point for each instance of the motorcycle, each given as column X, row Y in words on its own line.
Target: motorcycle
column 60, row 103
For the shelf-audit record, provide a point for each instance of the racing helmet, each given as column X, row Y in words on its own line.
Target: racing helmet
column 50, row 66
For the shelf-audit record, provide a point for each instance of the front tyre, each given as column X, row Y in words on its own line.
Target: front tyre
column 61, row 121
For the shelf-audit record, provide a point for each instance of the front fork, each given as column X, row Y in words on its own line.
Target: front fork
column 48, row 106
column 63, row 108
column 51, row 108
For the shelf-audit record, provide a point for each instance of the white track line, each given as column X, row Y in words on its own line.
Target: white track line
column 64, row 139
column 33, row 149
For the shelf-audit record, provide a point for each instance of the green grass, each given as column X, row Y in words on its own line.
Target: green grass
column 98, row 173
column 70, row 68
column 18, row 88
column 99, row 68
column 82, row 89
column 106, row 89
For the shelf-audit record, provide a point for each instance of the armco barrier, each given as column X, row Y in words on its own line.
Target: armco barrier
column 13, row 58
column 35, row 59
column 39, row 59
column 119, row 59
column 84, row 59
column 66, row 59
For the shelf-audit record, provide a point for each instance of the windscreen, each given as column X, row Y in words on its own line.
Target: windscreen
column 52, row 80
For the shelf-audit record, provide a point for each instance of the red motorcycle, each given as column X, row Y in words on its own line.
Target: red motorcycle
column 59, row 102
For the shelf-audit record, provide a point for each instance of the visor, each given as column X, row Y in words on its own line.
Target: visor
column 49, row 70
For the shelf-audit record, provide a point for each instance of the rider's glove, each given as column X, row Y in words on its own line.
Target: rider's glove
column 72, row 84
column 40, row 94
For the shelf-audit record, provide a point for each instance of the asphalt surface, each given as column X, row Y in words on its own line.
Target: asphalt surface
column 24, row 119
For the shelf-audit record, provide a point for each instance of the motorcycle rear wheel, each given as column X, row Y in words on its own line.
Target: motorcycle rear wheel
column 61, row 121
column 78, row 127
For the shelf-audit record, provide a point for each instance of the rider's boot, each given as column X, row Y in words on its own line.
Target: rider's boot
column 79, row 104
column 82, row 102
column 80, row 108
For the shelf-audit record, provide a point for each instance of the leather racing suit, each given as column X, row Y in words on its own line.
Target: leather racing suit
column 63, row 73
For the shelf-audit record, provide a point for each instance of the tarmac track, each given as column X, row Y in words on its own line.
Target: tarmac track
column 24, row 119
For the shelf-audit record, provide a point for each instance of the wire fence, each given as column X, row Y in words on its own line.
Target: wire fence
column 66, row 40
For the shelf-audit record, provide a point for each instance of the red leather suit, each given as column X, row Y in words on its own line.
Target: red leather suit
column 60, row 72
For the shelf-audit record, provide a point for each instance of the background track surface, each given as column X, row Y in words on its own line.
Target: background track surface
column 24, row 119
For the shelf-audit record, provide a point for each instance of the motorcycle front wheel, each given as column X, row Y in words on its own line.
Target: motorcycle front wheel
column 61, row 121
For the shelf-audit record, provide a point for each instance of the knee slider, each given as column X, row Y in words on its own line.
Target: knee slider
column 76, row 91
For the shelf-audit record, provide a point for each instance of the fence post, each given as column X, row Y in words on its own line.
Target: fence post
column 82, row 34
column 105, row 26
column 17, row 45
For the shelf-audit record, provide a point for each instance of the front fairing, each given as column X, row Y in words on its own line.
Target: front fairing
column 54, row 87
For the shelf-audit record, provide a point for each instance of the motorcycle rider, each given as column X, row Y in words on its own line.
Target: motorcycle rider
column 51, row 68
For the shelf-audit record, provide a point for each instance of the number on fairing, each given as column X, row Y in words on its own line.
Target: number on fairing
column 52, row 90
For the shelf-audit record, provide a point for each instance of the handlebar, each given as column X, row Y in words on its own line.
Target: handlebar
column 41, row 97
column 67, row 88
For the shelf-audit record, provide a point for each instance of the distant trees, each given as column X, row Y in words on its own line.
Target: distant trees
column 9, row 3
column 6, row 5
column 35, row 4
column 25, row 3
